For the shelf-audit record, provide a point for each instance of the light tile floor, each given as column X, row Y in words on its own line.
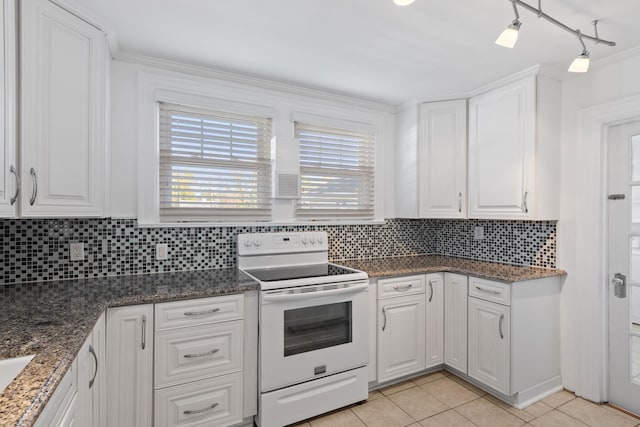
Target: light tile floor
column 443, row 400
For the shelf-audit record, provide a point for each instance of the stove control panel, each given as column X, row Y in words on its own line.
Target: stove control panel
column 273, row 243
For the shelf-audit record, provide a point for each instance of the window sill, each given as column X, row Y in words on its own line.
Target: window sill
column 257, row 224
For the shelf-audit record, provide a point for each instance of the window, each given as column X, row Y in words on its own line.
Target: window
column 213, row 165
column 337, row 173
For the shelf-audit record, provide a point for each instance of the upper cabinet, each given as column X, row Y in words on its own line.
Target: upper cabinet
column 431, row 161
column 514, row 151
column 63, row 109
column 8, row 168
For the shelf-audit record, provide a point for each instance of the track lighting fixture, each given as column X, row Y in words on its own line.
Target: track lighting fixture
column 403, row 2
column 509, row 36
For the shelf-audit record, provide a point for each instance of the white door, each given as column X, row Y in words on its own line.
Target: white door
column 130, row 366
column 502, row 152
column 442, row 153
column 624, row 265
column 455, row 321
column 8, row 167
column 401, row 336
column 63, row 99
column 489, row 344
column 434, row 314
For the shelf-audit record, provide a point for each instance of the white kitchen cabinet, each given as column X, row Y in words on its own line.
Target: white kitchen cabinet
column 373, row 331
column 489, row 344
column 63, row 110
column 62, row 405
column 514, row 151
column 130, row 366
column 434, row 315
column 431, row 161
column 8, row 166
column 401, row 328
column 92, row 387
column 455, row 321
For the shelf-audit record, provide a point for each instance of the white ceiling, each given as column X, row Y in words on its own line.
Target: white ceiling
column 371, row 49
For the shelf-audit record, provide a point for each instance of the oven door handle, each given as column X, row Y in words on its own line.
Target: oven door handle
column 267, row 297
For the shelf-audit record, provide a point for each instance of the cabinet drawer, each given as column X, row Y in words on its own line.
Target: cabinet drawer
column 205, row 351
column 212, row 402
column 490, row 291
column 201, row 311
column 400, row 286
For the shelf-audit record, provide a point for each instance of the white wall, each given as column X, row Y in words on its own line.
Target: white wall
column 283, row 99
column 605, row 82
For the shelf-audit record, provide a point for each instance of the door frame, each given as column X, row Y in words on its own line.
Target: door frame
column 591, row 306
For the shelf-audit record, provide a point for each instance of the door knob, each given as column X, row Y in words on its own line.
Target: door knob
column 619, row 283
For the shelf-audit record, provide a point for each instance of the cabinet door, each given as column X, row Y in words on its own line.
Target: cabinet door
column 130, row 366
column 91, row 378
column 8, row 171
column 400, row 336
column 489, row 344
column 63, row 98
column 442, row 153
column 502, row 151
column 434, row 315
column 455, row 321
column 373, row 347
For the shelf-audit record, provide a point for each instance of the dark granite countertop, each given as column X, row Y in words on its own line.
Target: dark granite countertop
column 53, row 319
column 419, row 264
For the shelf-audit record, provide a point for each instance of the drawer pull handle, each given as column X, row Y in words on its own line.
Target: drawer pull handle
column 430, row 287
column 200, row 411
column 384, row 313
column 208, row 353
column 95, row 358
column 491, row 291
column 34, row 193
column 201, row 313
column 17, row 193
column 500, row 326
column 403, row 288
column 144, row 332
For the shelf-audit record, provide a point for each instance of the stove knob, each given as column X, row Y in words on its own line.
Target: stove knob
column 257, row 241
column 313, row 240
column 320, row 239
column 304, row 240
column 247, row 242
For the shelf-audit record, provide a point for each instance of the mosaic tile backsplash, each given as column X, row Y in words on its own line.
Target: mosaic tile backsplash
column 38, row 250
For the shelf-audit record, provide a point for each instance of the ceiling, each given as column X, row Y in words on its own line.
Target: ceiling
column 370, row 49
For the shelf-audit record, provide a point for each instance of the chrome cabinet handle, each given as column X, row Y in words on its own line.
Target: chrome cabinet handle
column 384, row 313
column 490, row 291
column 144, row 331
column 200, row 411
column 430, row 287
column 13, row 170
column 459, row 202
column 95, row 357
column 403, row 288
column 500, row 326
column 525, row 208
column 208, row 353
column 201, row 313
column 34, row 194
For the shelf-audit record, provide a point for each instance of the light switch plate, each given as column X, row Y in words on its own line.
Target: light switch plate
column 478, row 232
column 162, row 251
column 76, row 251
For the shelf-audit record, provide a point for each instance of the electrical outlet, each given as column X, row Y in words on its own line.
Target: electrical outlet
column 162, row 251
column 478, row 233
column 76, row 251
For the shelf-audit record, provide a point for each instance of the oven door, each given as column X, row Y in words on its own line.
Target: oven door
column 311, row 332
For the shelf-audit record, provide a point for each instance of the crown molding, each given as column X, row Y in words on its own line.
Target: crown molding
column 245, row 79
column 617, row 57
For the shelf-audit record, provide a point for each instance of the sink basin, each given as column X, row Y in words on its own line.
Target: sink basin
column 10, row 368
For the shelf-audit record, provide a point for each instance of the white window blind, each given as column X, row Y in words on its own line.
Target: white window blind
column 337, row 173
column 214, row 166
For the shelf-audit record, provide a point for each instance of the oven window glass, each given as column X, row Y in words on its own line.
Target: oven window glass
column 314, row 328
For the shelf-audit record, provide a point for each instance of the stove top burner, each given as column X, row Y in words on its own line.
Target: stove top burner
column 298, row 272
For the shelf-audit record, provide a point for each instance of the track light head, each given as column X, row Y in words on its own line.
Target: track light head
column 403, row 2
column 509, row 36
column 581, row 63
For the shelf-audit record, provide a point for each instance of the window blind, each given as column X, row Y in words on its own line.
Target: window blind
column 214, row 166
column 337, row 173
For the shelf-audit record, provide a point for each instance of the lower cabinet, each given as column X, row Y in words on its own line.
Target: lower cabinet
column 489, row 344
column 61, row 408
column 130, row 366
column 92, row 386
column 401, row 327
column 455, row 321
column 434, row 315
